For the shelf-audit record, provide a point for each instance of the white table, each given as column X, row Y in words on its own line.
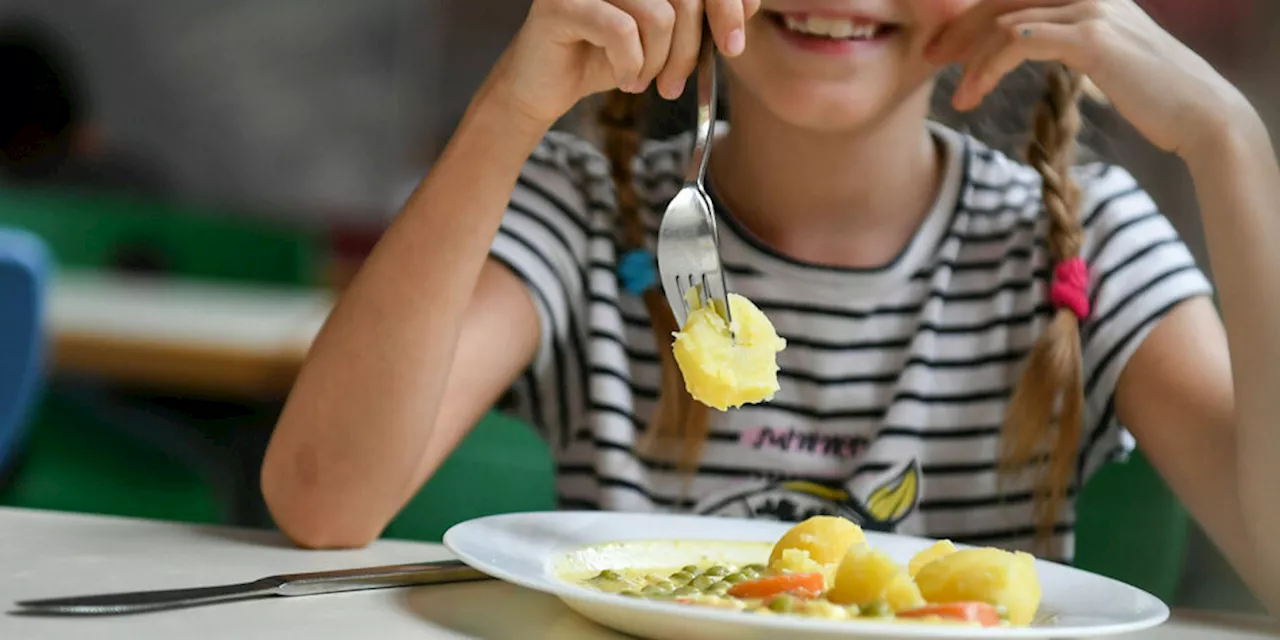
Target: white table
column 47, row 554
column 181, row 334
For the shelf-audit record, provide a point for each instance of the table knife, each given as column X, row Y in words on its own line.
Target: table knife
column 296, row 584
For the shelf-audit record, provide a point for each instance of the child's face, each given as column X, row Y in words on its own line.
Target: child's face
column 873, row 65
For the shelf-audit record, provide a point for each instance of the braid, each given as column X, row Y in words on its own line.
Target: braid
column 1052, row 377
column 619, row 117
column 678, row 418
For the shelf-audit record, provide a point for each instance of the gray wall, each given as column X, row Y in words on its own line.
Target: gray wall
column 304, row 105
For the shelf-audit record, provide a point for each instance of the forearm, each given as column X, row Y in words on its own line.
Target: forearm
column 1238, row 185
column 360, row 415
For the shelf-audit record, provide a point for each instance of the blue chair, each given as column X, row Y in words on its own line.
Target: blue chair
column 25, row 266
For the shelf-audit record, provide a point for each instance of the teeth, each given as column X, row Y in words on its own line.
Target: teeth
column 841, row 28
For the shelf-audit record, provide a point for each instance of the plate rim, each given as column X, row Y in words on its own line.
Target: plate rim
column 565, row 591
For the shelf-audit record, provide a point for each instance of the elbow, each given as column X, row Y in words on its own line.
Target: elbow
column 307, row 514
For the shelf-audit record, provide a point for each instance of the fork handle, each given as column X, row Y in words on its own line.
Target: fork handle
column 706, row 86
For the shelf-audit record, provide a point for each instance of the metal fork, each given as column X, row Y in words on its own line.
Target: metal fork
column 688, row 243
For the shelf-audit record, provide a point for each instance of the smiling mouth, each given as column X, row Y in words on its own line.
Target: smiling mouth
column 831, row 28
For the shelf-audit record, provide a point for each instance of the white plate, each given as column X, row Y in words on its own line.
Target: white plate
column 525, row 549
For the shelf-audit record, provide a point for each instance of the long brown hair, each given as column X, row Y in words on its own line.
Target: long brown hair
column 678, row 427
column 1051, row 379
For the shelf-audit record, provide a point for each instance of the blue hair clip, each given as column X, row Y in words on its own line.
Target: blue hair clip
column 638, row 271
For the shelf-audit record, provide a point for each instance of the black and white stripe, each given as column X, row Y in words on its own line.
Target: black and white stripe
column 911, row 362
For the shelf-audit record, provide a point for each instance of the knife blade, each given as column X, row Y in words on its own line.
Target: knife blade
column 295, row 584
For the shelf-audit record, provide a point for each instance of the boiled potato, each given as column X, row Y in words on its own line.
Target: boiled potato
column 796, row 561
column 718, row 370
column 939, row 549
column 993, row 576
column 866, row 576
column 825, row 539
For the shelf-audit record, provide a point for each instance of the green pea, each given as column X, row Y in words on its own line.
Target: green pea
column 735, row 578
column 689, row 568
column 758, row 568
column 750, row 573
column 716, row 571
column 654, row 590
column 702, row 582
column 854, row 610
column 608, row 574
column 719, row 588
column 685, row 591
column 878, row 609
column 1003, row 612
column 782, row 604
column 682, row 576
column 629, row 594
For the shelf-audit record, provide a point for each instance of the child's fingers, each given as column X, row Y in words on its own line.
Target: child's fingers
column 1069, row 14
column 686, row 40
column 960, row 39
column 655, row 19
column 728, row 25
column 1039, row 41
column 975, row 66
column 611, row 29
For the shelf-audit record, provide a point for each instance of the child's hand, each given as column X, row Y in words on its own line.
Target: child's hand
column 569, row 49
column 1164, row 89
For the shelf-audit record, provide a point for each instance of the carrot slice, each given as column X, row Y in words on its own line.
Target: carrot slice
column 800, row 584
column 979, row 612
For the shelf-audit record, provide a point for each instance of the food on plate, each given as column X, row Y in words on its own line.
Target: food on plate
column 939, row 549
column 724, row 369
column 824, row 538
column 825, row 568
column 997, row 577
column 866, row 576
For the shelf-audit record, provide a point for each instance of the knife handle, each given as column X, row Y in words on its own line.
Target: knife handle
column 298, row 584
column 400, row 575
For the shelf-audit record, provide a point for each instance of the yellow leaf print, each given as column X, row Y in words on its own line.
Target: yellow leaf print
column 895, row 499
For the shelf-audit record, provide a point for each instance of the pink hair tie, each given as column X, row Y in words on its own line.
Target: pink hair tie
column 1070, row 287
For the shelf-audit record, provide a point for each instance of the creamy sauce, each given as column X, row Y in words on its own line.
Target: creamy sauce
column 638, row 570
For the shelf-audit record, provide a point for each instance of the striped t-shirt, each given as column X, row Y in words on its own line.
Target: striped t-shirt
column 895, row 379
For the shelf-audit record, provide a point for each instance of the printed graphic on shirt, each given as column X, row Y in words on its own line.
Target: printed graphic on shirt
column 886, row 505
column 791, row 440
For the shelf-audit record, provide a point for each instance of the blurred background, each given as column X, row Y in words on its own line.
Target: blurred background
column 193, row 182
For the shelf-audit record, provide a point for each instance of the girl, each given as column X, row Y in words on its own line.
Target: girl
column 966, row 333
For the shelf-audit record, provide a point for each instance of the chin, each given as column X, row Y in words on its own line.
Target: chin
column 830, row 73
column 825, row 107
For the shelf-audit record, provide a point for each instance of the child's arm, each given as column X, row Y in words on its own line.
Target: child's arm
column 432, row 331
column 1210, row 420
column 1206, row 414
column 428, row 317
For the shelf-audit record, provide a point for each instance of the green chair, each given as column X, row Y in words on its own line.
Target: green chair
column 1130, row 526
column 100, row 231
column 74, row 462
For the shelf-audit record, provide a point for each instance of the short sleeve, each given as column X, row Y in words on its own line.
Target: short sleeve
column 1139, row 269
column 545, row 239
